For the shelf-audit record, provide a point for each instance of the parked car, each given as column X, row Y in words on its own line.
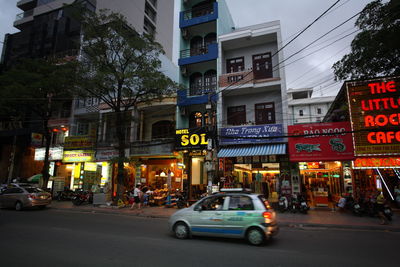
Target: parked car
column 21, row 196
column 232, row 213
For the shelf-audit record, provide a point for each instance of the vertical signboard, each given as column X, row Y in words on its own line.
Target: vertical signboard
column 375, row 116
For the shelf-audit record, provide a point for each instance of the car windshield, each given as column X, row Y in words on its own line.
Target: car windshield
column 264, row 201
column 33, row 190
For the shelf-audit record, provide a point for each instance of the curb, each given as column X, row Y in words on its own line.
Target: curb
column 297, row 225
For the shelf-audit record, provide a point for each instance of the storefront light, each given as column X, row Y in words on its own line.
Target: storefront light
column 163, row 174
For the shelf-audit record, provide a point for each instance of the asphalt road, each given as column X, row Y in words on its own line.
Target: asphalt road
column 59, row 238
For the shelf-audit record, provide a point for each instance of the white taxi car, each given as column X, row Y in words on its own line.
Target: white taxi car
column 232, row 213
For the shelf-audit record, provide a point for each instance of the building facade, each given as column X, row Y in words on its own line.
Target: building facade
column 251, row 110
column 306, row 108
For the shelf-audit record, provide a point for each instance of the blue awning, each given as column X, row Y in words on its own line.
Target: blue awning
column 254, row 150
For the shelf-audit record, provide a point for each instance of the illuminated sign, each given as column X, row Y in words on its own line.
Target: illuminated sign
column 191, row 139
column 268, row 133
column 78, row 156
column 55, row 153
column 389, row 162
column 375, row 116
column 320, row 142
column 79, row 142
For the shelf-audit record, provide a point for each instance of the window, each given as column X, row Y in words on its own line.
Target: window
column 148, row 27
column 210, row 38
column 236, row 115
column 265, row 113
column 13, row 190
column 300, row 95
column 153, row 2
column 162, row 129
column 212, row 203
column 301, row 113
column 262, row 66
column 210, row 81
column 196, row 46
column 150, row 12
column 196, row 83
column 319, row 111
column 235, row 64
column 240, row 203
column 83, row 128
column 196, row 120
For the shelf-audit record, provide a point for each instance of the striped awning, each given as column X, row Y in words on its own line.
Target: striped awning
column 254, row 150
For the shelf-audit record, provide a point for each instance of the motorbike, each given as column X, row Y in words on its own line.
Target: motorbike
column 65, row 195
column 303, row 207
column 357, row 209
column 283, row 204
column 387, row 211
column 82, row 196
column 181, row 200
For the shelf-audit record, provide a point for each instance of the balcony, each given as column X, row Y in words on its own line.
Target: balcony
column 24, row 17
column 152, row 148
column 201, row 54
column 198, row 15
column 185, row 100
column 241, row 77
column 26, row 4
column 201, row 90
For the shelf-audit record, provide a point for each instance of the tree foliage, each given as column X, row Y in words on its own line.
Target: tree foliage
column 30, row 92
column 120, row 67
column 375, row 51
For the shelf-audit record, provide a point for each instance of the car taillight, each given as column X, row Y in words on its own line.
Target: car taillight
column 267, row 215
column 31, row 196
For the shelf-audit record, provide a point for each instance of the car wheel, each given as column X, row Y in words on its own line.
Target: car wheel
column 18, row 206
column 255, row 237
column 181, row 230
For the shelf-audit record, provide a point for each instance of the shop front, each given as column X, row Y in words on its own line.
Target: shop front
column 374, row 107
column 323, row 153
column 254, row 157
column 192, row 145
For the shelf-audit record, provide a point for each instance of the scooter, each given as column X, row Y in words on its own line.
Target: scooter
column 181, row 200
column 357, row 209
column 387, row 211
column 283, row 204
column 303, row 207
column 82, row 196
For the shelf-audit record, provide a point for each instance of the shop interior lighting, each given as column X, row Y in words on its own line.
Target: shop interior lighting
column 384, row 182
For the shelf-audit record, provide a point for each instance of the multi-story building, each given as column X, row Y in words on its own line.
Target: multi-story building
column 47, row 29
column 251, row 108
column 306, row 108
column 200, row 23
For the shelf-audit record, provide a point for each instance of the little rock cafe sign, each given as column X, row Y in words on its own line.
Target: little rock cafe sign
column 374, row 107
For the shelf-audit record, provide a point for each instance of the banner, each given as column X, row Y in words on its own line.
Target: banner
column 252, row 134
column 55, row 153
column 78, row 156
column 374, row 107
column 320, row 142
column 79, row 142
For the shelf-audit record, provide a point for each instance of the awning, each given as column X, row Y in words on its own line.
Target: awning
column 254, row 150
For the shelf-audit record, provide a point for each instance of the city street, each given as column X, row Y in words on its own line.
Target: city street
column 59, row 238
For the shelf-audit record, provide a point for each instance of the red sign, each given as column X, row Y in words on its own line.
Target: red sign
column 320, row 142
column 375, row 116
column 377, row 162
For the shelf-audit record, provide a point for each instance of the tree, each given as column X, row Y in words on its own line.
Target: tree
column 30, row 91
column 375, row 51
column 121, row 68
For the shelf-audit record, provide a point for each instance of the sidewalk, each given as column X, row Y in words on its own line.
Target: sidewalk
column 324, row 218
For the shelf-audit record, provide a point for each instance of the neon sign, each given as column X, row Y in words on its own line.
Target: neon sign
column 375, row 116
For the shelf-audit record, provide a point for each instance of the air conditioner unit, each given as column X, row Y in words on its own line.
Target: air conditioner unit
column 185, row 34
column 184, row 71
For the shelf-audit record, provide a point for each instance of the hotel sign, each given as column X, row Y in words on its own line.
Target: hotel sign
column 79, row 156
column 268, row 133
column 375, row 116
column 191, row 139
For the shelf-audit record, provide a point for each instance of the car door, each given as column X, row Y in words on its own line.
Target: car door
column 8, row 197
column 208, row 217
column 239, row 215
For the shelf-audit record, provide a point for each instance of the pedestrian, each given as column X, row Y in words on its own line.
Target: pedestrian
column 137, row 193
column 380, row 206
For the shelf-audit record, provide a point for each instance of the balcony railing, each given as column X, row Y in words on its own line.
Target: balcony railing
column 199, row 54
column 24, row 14
column 241, row 77
column 198, row 15
column 202, row 90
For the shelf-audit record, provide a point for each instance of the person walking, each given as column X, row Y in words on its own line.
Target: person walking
column 136, row 197
column 380, row 203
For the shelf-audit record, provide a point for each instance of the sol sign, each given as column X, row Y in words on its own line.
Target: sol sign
column 191, row 139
